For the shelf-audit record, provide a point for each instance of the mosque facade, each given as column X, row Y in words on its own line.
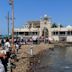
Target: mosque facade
column 43, row 27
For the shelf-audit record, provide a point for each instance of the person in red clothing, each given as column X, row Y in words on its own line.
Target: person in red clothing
column 3, row 57
column 2, row 52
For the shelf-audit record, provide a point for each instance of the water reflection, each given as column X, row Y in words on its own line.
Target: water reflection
column 57, row 60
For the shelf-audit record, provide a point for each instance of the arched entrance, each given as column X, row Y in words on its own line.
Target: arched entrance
column 45, row 32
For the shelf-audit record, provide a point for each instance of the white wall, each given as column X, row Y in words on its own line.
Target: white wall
column 69, row 38
column 56, row 38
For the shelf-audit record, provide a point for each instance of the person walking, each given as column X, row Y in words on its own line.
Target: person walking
column 7, row 47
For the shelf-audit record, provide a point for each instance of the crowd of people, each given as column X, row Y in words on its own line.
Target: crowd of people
column 36, row 40
column 6, row 53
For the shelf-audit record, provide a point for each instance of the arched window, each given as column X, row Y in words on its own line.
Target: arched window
column 45, row 32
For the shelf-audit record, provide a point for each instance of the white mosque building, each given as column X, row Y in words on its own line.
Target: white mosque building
column 43, row 27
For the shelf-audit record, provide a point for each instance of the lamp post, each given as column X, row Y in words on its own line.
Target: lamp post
column 7, row 17
column 11, row 2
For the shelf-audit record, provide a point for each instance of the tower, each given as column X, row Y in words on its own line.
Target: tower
column 45, row 25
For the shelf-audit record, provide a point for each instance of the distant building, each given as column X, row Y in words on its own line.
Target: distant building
column 43, row 27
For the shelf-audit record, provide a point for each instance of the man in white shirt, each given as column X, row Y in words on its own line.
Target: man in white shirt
column 34, row 38
column 7, row 45
column 7, row 48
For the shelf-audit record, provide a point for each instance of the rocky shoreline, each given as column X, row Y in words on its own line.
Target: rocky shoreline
column 25, row 61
